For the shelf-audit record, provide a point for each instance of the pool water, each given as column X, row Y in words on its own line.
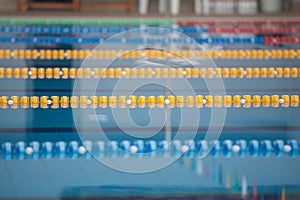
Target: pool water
column 68, row 173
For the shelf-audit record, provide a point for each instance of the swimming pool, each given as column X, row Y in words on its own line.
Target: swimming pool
column 56, row 90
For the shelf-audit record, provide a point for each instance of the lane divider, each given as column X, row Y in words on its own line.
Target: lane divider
column 90, row 22
column 270, row 40
column 149, row 148
column 106, row 30
column 111, row 29
column 239, row 23
column 267, row 40
column 63, row 30
column 139, row 40
column 61, row 54
column 85, row 22
column 254, row 30
column 178, row 72
column 160, row 101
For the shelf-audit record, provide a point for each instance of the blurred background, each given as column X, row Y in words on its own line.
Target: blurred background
column 248, row 50
column 154, row 7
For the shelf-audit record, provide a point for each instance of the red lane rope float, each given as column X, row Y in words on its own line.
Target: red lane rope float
column 287, row 30
column 246, row 23
column 270, row 40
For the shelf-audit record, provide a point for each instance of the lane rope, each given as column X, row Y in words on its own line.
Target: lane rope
column 160, row 101
column 61, row 54
column 150, row 72
column 189, row 148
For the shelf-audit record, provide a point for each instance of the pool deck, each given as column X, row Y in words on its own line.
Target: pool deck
column 186, row 13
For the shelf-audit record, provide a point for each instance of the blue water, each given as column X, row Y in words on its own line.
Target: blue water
column 211, row 176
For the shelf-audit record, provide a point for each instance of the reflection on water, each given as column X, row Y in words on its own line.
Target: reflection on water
column 200, row 180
